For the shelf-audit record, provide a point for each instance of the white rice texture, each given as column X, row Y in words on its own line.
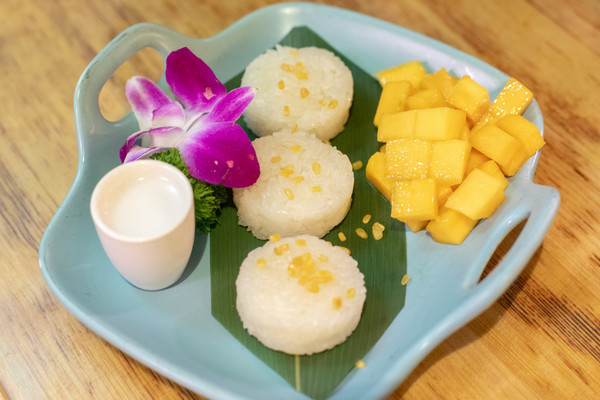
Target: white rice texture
column 289, row 198
column 308, row 89
column 285, row 316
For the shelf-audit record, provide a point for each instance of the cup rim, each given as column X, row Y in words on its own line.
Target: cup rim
column 172, row 171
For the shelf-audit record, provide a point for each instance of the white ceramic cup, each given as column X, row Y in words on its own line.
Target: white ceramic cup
column 143, row 212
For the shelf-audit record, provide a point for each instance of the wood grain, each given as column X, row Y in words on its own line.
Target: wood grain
column 540, row 340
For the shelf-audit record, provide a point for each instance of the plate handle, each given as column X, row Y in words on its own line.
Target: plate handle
column 88, row 117
column 539, row 207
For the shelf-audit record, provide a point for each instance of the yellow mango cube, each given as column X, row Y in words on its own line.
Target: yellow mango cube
column 425, row 98
column 392, row 99
column 465, row 134
column 450, row 226
column 399, row 125
column 416, row 226
column 412, row 71
column 440, row 80
column 407, row 159
column 516, row 163
column 375, row 172
column 478, row 196
column 500, row 146
column 449, row 160
column 512, row 99
column 471, row 97
column 476, row 158
column 443, row 192
column 524, row 130
column 440, row 123
column 491, row 168
column 414, row 200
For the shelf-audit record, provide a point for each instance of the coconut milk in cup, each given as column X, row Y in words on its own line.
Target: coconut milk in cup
column 143, row 212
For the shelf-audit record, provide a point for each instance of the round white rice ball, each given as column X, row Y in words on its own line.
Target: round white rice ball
column 297, row 316
column 305, row 187
column 308, row 89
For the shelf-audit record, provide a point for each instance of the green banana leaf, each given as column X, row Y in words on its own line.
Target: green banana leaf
column 382, row 262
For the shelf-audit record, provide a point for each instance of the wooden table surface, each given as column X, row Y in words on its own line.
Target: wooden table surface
column 541, row 339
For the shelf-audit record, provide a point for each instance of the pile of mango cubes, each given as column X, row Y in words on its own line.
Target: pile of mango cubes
column 446, row 149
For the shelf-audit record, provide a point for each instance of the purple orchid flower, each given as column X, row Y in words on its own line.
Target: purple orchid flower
column 215, row 149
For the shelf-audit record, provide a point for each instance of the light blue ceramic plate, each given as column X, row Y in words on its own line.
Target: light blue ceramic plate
column 172, row 331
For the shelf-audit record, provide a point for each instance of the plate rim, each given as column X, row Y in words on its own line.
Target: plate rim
column 390, row 380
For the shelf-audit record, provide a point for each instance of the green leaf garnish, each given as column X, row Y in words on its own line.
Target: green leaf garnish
column 208, row 198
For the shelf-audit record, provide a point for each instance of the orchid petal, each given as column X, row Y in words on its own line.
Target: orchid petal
column 137, row 152
column 165, row 136
column 145, row 96
column 231, row 106
column 159, row 138
column 170, row 114
column 220, row 153
column 129, row 144
column 192, row 81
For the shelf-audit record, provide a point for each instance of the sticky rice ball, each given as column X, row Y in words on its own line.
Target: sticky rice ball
column 305, row 187
column 308, row 89
column 300, row 295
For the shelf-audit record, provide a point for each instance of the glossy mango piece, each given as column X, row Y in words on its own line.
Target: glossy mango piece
column 471, row 97
column 443, row 192
column 449, row 160
column 393, row 99
column 407, row 159
column 376, row 174
column 416, row 226
column 414, row 200
column 440, row 123
column 478, row 196
column 450, row 226
column 524, row 130
column 412, row 71
column 513, row 99
column 491, row 168
column 476, row 158
column 394, row 126
column 500, row 146
column 440, row 80
column 465, row 134
column 425, row 98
